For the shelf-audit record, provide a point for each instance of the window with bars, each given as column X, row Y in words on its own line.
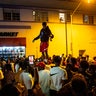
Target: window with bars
column 11, row 14
column 40, row 16
column 88, row 19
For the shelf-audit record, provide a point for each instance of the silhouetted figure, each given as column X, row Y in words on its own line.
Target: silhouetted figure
column 44, row 36
column 9, row 90
column 76, row 87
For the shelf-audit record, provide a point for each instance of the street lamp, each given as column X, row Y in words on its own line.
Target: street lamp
column 88, row 1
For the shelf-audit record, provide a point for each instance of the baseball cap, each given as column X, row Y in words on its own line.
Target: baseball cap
column 41, row 64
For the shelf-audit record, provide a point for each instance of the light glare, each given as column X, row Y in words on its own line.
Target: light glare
column 88, row 1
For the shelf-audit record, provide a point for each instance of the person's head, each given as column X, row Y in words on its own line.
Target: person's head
column 41, row 65
column 84, row 64
column 8, row 67
column 73, row 61
column 79, row 85
column 9, row 90
column 24, row 63
column 57, row 60
column 68, row 67
column 44, row 24
column 94, row 58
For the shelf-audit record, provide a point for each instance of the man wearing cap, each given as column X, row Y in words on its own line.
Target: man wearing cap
column 44, row 78
column 44, row 36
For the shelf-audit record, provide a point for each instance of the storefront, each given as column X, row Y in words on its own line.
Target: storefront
column 12, row 47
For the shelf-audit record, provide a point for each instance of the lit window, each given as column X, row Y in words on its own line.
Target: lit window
column 11, row 14
column 88, row 19
column 85, row 19
column 33, row 13
column 62, row 17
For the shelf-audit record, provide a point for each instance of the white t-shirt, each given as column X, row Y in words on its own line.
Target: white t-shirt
column 17, row 68
column 26, row 78
column 44, row 80
column 57, row 74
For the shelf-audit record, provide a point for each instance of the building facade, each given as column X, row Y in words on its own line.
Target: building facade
column 71, row 35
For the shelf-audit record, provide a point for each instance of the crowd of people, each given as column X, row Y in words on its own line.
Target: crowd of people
column 58, row 76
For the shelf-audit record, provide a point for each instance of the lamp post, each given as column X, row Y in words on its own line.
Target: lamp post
column 88, row 1
column 66, row 35
column 71, row 44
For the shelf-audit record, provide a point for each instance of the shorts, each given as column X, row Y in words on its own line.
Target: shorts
column 44, row 46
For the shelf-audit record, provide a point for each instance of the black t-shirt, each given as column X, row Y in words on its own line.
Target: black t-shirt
column 44, row 35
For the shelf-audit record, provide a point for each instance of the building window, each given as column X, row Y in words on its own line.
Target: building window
column 62, row 17
column 91, row 19
column 40, row 16
column 68, row 17
column 11, row 14
column 87, row 19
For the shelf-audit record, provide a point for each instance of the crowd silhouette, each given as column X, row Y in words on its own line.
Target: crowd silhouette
column 59, row 76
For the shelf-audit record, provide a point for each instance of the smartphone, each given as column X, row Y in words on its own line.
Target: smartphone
column 31, row 59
